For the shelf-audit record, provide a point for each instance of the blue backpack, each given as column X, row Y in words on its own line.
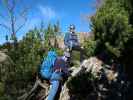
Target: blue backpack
column 47, row 65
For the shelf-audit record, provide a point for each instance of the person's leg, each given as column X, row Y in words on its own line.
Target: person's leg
column 69, row 50
column 78, row 48
column 81, row 54
column 71, row 57
column 53, row 89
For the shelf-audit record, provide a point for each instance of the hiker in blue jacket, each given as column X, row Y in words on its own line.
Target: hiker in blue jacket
column 55, row 76
column 72, row 43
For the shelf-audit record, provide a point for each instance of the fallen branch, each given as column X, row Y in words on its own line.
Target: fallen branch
column 38, row 83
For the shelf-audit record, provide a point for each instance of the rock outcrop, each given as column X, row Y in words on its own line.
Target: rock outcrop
column 112, row 85
column 5, row 65
column 5, row 59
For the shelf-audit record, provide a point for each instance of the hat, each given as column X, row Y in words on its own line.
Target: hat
column 72, row 26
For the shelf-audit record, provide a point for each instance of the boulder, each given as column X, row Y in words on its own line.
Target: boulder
column 6, row 64
column 95, row 67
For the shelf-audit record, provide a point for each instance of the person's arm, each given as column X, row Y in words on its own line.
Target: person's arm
column 66, row 39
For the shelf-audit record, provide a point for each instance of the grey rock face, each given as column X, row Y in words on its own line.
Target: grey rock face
column 95, row 66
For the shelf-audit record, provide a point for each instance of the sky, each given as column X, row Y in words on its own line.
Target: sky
column 50, row 11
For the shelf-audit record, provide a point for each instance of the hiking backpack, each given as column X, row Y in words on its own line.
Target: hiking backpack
column 46, row 69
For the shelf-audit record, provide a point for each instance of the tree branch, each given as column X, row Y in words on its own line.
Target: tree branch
column 21, row 26
column 11, row 11
column 5, row 26
column 13, row 5
column 21, row 14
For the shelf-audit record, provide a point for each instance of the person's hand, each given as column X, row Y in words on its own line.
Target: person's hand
column 82, row 47
column 58, row 70
column 67, row 49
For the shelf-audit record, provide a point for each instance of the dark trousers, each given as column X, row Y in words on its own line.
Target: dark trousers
column 76, row 48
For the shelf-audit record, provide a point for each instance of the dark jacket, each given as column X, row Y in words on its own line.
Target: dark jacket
column 71, row 40
column 60, row 69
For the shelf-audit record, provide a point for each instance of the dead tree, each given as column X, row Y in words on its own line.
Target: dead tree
column 43, row 84
column 13, row 17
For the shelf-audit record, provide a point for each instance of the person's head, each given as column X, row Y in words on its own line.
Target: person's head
column 72, row 28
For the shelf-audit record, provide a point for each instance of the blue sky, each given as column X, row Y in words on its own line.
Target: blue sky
column 49, row 11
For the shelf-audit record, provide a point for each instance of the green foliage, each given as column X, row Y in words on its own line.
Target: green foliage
column 50, row 36
column 1, row 89
column 81, row 86
column 76, row 55
column 57, row 27
column 26, row 56
column 90, row 46
column 111, row 28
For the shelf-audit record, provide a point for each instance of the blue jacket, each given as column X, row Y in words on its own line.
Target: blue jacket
column 71, row 40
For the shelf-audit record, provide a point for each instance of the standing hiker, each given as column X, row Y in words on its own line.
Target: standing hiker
column 53, row 69
column 72, row 43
